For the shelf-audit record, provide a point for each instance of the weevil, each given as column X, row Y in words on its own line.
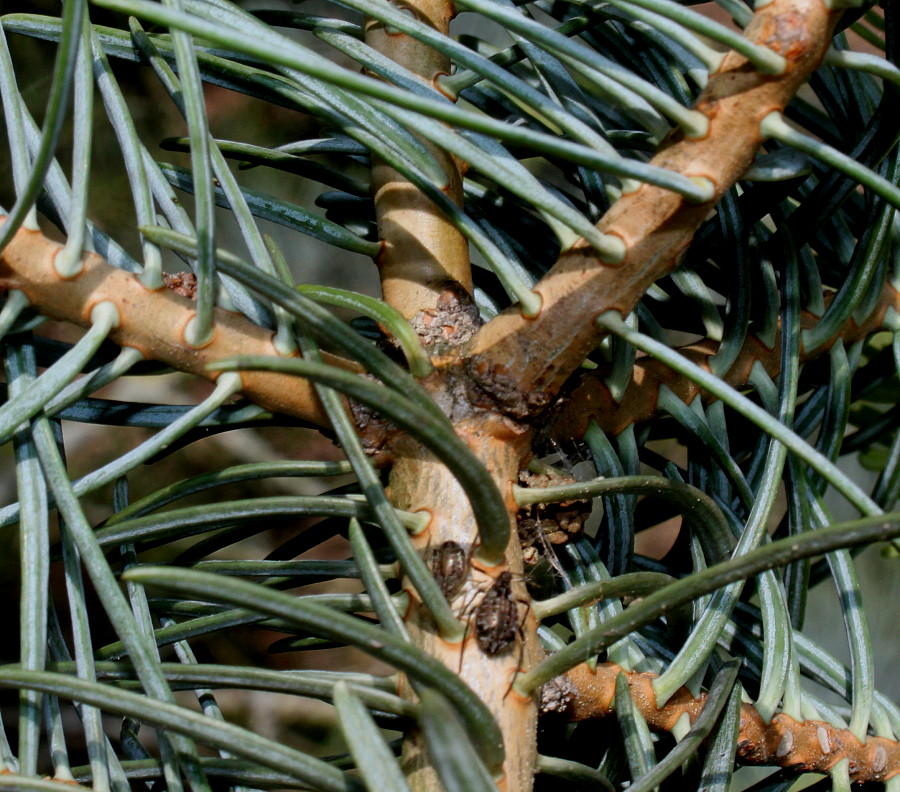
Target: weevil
column 450, row 566
column 497, row 617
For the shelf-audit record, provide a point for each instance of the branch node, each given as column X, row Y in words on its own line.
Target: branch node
column 105, row 312
column 193, row 337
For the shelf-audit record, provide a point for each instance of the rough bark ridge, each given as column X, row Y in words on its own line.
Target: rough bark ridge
column 784, row 742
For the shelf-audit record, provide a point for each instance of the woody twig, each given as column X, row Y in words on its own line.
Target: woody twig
column 522, row 363
column 590, row 399
column 426, row 274
column 424, row 260
column 807, row 746
column 151, row 321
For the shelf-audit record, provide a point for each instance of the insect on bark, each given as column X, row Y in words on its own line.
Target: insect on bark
column 497, row 617
column 450, row 566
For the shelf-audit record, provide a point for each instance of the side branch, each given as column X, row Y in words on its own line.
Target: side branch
column 521, row 363
column 801, row 746
column 153, row 322
column 591, row 399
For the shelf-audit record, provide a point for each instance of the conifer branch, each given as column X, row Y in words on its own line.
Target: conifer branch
column 807, row 746
column 153, row 322
column 590, row 399
column 424, row 260
column 522, row 363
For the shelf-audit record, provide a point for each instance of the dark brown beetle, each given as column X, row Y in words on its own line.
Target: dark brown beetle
column 450, row 566
column 497, row 617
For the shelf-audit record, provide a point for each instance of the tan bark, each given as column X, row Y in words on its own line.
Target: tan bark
column 152, row 321
column 426, row 275
column 419, row 483
column 423, row 254
column 521, row 362
column 808, row 746
column 590, row 399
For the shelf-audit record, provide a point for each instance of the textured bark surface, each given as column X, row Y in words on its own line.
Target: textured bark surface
column 419, row 483
column 153, row 322
column 425, row 274
column 589, row 398
column 523, row 362
column 808, row 746
column 423, row 254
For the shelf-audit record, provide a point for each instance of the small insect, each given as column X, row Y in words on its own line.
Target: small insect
column 497, row 617
column 450, row 566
